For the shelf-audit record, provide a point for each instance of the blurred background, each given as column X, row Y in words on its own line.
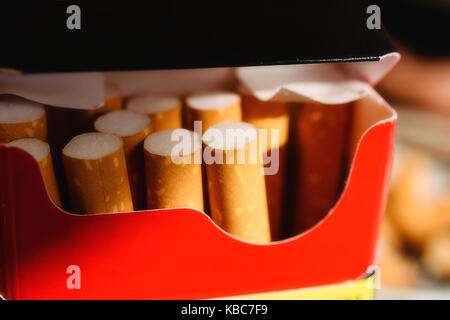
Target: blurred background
column 415, row 235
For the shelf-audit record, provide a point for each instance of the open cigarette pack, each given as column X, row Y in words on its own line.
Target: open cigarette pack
column 127, row 185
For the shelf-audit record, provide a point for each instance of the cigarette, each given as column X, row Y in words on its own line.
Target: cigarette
column 164, row 111
column 40, row 151
column 211, row 108
column 114, row 98
column 133, row 128
column 96, row 174
column 237, row 192
column 322, row 141
column 271, row 115
column 20, row 118
column 173, row 181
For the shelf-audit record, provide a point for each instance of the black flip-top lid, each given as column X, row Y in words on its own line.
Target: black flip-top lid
column 138, row 35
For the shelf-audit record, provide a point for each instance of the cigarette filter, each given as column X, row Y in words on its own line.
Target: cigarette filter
column 237, row 192
column 164, row 111
column 211, row 108
column 20, row 118
column 41, row 152
column 133, row 128
column 322, row 135
column 96, row 174
column 271, row 115
column 173, row 181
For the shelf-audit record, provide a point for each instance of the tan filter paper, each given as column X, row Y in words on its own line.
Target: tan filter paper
column 164, row 111
column 20, row 118
column 133, row 128
column 237, row 192
column 322, row 143
column 97, row 174
column 271, row 115
column 173, row 169
column 211, row 108
column 41, row 152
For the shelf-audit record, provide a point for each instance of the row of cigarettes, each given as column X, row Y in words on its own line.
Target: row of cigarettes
column 119, row 158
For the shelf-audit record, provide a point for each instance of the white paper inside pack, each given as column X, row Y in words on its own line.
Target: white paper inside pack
column 177, row 82
column 322, row 83
column 67, row 90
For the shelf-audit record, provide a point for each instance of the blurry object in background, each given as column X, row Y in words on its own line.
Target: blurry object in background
column 416, row 231
column 433, row 293
column 416, row 198
column 427, row 131
column 397, row 269
column 419, row 28
column 424, row 82
column 437, row 256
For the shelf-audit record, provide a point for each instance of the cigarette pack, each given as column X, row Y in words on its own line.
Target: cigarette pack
column 182, row 253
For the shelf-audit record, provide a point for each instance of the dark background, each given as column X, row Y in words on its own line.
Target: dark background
column 128, row 35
